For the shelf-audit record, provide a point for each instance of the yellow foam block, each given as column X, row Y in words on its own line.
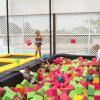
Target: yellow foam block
column 78, row 97
column 95, row 80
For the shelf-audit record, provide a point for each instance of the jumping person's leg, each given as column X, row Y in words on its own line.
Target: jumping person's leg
column 36, row 50
column 40, row 51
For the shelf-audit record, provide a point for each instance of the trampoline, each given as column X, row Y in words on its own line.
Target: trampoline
column 3, row 64
column 15, row 61
column 17, row 56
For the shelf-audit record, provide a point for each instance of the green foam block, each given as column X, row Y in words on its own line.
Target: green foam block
column 31, row 86
column 90, row 97
column 72, row 94
column 79, row 89
column 35, row 76
column 97, row 92
column 91, row 90
column 19, row 95
column 59, row 92
column 38, row 97
column 8, row 90
column 46, row 87
column 9, row 96
column 30, row 95
column 76, row 79
column 48, row 84
column 73, row 83
column 25, row 83
column 46, row 97
column 41, row 91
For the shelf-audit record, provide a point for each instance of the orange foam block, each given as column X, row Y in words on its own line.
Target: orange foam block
column 95, row 80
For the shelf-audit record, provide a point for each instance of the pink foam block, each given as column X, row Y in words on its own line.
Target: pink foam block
column 85, row 84
column 63, row 89
column 2, row 91
column 80, row 59
column 70, row 87
column 64, row 96
column 85, row 97
column 40, row 77
column 94, row 59
column 91, row 71
column 79, row 74
column 36, row 87
column 97, row 86
column 52, row 92
column 28, row 90
column 56, row 84
column 96, row 97
column 62, row 85
column 16, row 98
column 18, row 90
column 55, row 98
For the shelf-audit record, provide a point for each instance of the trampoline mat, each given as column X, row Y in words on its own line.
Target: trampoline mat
column 3, row 64
column 17, row 57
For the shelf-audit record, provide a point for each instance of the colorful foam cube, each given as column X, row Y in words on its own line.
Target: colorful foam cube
column 46, row 97
column 20, row 96
column 63, row 96
column 37, row 97
column 76, row 79
column 91, row 90
column 78, row 97
column 61, row 79
column 56, row 84
column 16, row 98
column 59, row 92
column 30, row 95
column 9, row 96
column 25, row 83
column 90, row 78
column 84, row 83
column 90, row 97
column 79, row 89
column 97, row 86
column 73, row 83
column 72, row 94
column 8, row 90
column 96, row 97
column 20, row 87
column 95, row 80
column 41, row 91
column 52, row 92
column 31, row 86
column 2, row 91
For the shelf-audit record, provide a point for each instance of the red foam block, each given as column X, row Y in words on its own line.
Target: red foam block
column 56, row 84
column 52, row 92
column 96, row 97
column 97, row 86
column 65, row 97
column 2, row 91
column 85, row 84
column 91, row 71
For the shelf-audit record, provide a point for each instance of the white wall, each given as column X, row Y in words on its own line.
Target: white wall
column 20, row 7
column 2, row 7
column 70, row 6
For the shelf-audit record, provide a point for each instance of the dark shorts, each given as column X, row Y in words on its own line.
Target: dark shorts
column 38, row 44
